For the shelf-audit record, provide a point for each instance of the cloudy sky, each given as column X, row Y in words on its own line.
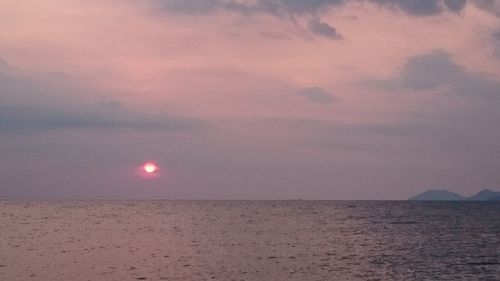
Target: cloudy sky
column 248, row 99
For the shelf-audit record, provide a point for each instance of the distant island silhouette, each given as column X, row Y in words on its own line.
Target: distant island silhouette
column 446, row 195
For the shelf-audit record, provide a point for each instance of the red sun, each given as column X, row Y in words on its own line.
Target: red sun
column 150, row 167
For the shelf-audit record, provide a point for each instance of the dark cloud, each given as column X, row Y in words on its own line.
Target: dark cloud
column 289, row 9
column 312, row 7
column 471, row 128
column 274, row 35
column 323, row 29
column 22, row 119
column 491, row 6
column 412, row 7
column 275, row 7
column 60, row 74
column 317, row 95
column 455, row 5
column 422, row 7
column 30, row 106
column 345, row 145
column 191, row 6
column 496, row 35
column 436, row 70
column 429, row 71
column 496, row 43
column 403, row 128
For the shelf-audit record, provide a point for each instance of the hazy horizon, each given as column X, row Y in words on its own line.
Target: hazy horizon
column 257, row 99
column 117, row 198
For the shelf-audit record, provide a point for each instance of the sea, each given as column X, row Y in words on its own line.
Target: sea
column 249, row 240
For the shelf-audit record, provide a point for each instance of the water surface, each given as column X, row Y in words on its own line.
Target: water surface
column 249, row 240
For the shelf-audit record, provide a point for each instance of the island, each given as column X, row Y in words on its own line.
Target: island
column 446, row 195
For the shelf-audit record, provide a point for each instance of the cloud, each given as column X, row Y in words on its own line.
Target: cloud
column 471, row 127
column 283, row 8
column 437, row 71
column 27, row 105
column 430, row 70
column 317, row 95
column 412, row 7
column 496, row 43
column 496, row 35
column 402, row 128
column 290, row 9
column 32, row 118
column 491, row 6
column 323, row 29
column 193, row 6
column 3, row 63
column 274, row 35
column 455, row 5
column 422, row 7
column 4, row 68
column 286, row 8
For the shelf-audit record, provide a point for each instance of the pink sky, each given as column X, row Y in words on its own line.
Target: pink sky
column 316, row 100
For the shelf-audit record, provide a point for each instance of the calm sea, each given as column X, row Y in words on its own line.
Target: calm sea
column 249, row 240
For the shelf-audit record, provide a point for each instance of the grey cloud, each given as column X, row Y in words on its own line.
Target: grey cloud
column 22, row 119
column 496, row 35
column 26, row 107
column 496, row 43
column 363, row 129
column 414, row 8
column 431, row 70
column 345, row 145
column 274, row 35
column 317, row 95
column 275, row 7
column 437, row 70
column 289, row 9
column 3, row 63
column 61, row 74
column 491, row 6
column 193, row 6
column 469, row 127
column 323, row 29
column 455, row 5
column 300, row 7
column 280, row 8
column 423, row 7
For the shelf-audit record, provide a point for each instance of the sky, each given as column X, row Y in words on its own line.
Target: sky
column 248, row 99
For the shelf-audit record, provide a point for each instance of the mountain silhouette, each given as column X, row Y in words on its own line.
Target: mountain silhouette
column 485, row 195
column 437, row 195
column 446, row 195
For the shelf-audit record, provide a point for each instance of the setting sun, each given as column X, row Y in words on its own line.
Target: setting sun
column 150, row 167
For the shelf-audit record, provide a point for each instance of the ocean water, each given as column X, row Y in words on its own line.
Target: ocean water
column 249, row 240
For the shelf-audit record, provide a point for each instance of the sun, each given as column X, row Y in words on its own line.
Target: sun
column 150, row 167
